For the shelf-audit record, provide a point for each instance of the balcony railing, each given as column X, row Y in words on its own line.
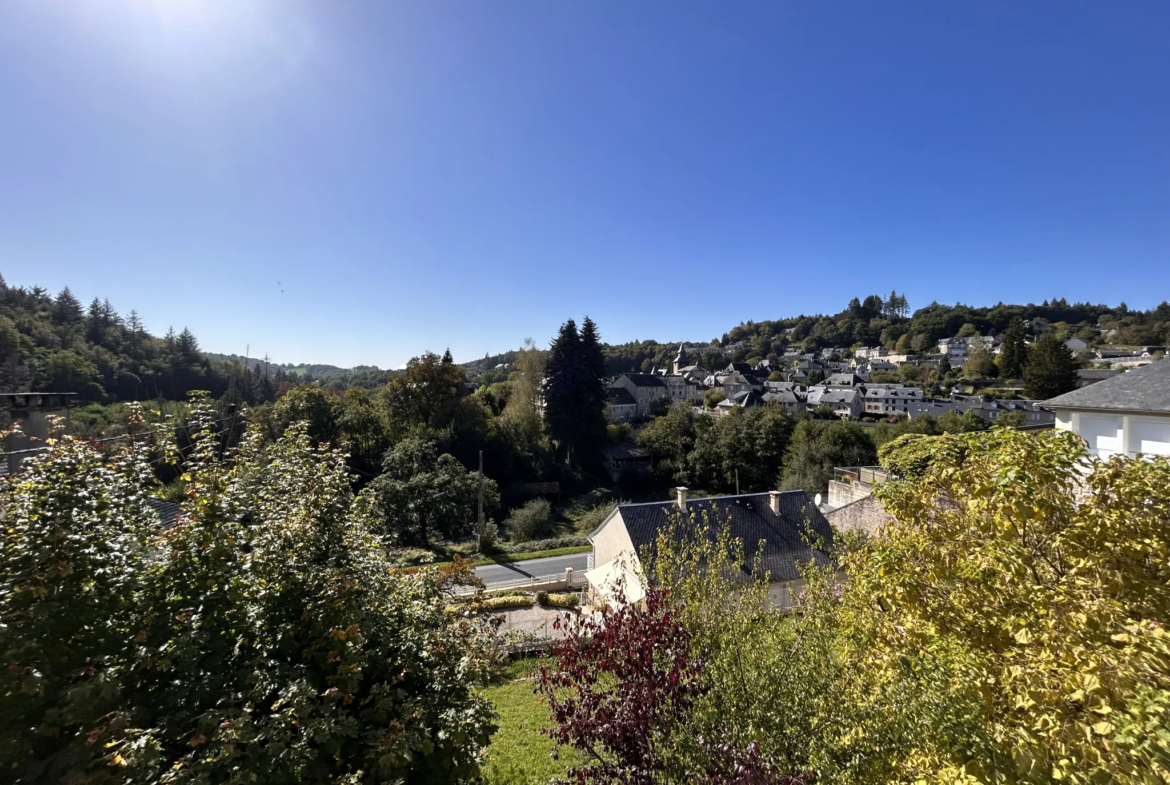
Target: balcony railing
column 866, row 475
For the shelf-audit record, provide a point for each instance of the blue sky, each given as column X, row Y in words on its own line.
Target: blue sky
column 356, row 182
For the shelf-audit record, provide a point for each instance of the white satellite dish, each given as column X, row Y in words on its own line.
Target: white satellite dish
column 817, row 500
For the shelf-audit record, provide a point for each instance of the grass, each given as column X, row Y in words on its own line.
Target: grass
column 519, row 754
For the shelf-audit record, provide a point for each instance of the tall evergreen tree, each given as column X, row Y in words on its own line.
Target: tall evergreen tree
column 559, row 384
column 1014, row 350
column 447, row 358
column 593, row 394
column 1051, row 369
column 574, row 389
column 67, row 308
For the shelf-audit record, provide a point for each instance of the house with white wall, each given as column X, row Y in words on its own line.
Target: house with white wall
column 780, row 531
column 1126, row 415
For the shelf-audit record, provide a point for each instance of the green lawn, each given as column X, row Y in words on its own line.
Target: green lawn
column 519, row 753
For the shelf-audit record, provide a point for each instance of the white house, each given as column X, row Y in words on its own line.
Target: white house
column 1127, row 415
column 779, row 531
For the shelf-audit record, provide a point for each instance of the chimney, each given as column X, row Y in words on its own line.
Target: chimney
column 774, row 501
column 681, row 497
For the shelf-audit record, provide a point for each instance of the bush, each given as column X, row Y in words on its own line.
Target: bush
column 507, row 601
column 202, row 656
column 552, row 543
column 560, row 600
column 531, row 521
column 586, row 519
column 542, row 597
column 412, row 557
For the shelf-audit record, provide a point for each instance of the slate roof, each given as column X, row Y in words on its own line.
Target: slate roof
column 168, row 512
column 781, row 396
column 786, row 536
column 644, row 380
column 1145, row 389
column 620, row 396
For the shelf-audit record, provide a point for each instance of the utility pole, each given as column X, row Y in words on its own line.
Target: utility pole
column 479, row 519
column 737, row 482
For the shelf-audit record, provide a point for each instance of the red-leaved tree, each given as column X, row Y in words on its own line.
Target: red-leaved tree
column 621, row 694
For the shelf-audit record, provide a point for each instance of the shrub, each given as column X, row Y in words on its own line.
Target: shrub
column 544, row 545
column 560, row 600
column 264, row 639
column 505, row 602
column 542, row 597
column 586, row 519
column 531, row 521
column 412, row 556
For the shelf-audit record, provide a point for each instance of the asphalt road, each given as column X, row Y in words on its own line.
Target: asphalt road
column 532, row 568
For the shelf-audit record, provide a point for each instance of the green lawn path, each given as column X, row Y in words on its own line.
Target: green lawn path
column 519, row 752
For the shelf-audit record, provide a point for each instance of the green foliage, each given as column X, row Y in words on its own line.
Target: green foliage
column 1013, row 351
column 713, row 397
column 560, row 600
column 796, row 686
column 505, row 602
column 546, row 544
column 587, row 518
column 817, row 446
column 426, row 395
column 311, row 406
column 1012, row 419
column 531, row 521
column 422, row 493
column 264, row 638
column 574, row 390
column 698, row 451
column 1050, row 608
column 1051, row 369
column 980, row 362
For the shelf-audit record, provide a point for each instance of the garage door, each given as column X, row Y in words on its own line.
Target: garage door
column 1150, row 438
column 1102, row 433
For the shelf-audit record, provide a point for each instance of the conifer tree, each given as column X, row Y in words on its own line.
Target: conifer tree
column 447, row 358
column 1051, row 369
column 67, row 308
column 1014, row 351
column 574, row 389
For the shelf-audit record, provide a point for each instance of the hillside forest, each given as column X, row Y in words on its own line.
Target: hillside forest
column 417, row 435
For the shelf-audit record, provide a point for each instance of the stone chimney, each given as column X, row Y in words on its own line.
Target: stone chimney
column 681, row 497
column 774, row 501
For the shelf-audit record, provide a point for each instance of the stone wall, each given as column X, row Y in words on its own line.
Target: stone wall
column 842, row 493
column 865, row 515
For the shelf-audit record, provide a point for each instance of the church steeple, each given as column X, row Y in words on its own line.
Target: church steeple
column 681, row 361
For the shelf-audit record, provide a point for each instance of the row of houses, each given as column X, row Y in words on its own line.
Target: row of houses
column 782, row 531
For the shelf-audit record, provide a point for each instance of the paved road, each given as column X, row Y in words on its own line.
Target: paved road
column 532, row 568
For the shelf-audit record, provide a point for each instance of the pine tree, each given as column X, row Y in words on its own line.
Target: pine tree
column 447, row 358
column 593, row 394
column 561, row 374
column 1051, row 369
column 67, row 308
column 1014, row 350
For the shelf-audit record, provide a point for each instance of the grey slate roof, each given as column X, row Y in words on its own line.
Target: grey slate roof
column 620, row 396
column 1145, row 389
column 644, row 380
column 168, row 512
column 786, row 537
